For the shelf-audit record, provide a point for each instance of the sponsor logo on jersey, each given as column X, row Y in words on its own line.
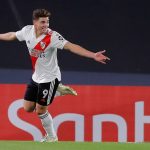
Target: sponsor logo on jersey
column 38, row 50
column 37, row 53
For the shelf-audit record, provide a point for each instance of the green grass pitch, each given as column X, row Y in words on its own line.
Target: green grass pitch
column 28, row 145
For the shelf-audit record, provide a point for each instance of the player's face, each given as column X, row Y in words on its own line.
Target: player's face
column 41, row 24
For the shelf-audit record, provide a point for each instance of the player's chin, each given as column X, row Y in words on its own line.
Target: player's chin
column 44, row 30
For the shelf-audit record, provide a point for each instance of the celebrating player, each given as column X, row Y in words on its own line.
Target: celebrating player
column 42, row 43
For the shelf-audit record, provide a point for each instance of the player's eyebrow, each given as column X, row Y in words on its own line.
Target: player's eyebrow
column 43, row 21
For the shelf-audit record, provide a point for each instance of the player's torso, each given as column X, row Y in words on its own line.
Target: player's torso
column 43, row 55
column 38, row 47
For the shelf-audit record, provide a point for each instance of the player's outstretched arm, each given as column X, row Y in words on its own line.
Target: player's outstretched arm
column 10, row 36
column 98, row 56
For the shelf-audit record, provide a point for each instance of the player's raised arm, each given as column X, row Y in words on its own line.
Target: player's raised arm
column 99, row 56
column 10, row 36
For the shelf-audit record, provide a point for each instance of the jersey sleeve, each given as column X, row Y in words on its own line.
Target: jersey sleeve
column 57, row 40
column 21, row 34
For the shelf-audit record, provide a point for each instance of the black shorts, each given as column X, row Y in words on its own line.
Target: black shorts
column 41, row 93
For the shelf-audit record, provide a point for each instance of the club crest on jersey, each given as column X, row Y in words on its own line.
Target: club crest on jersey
column 42, row 44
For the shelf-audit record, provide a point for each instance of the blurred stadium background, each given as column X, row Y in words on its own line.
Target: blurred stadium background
column 121, row 27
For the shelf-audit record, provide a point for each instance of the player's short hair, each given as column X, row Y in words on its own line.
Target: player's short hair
column 37, row 13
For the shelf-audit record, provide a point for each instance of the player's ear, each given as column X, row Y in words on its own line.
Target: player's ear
column 34, row 22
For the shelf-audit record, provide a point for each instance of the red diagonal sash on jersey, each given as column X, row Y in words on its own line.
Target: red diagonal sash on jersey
column 41, row 46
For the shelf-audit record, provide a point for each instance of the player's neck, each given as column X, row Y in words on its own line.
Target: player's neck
column 37, row 33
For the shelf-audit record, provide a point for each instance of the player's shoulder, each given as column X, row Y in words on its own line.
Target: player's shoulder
column 55, row 33
column 51, row 32
column 28, row 28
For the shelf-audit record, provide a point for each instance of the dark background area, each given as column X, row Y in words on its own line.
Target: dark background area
column 121, row 27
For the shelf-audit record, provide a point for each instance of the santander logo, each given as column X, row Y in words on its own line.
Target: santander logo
column 79, row 119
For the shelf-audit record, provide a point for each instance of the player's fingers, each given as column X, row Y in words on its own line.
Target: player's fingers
column 107, row 58
column 104, row 55
column 103, row 62
column 103, row 51
column 100, row 53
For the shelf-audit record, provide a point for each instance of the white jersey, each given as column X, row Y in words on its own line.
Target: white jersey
column 43, row 53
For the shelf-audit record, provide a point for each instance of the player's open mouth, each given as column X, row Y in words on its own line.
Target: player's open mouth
column 44, row 29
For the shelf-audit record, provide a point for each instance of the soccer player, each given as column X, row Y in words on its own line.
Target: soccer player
column 42, row 43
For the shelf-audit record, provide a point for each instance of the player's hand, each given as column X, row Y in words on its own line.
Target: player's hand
column 100, row 57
